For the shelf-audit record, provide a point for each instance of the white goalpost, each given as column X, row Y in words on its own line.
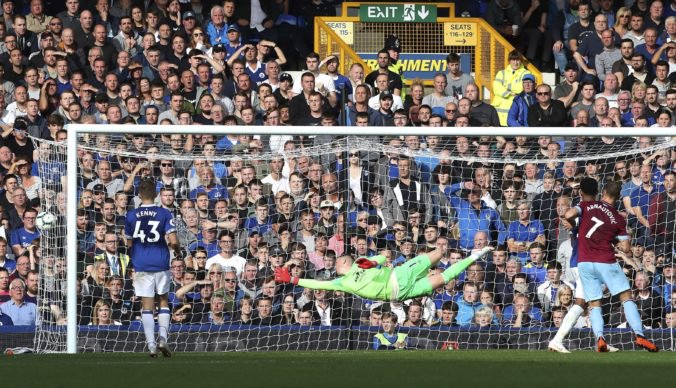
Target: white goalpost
column 444, row 218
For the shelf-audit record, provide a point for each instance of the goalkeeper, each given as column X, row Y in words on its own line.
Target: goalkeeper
column 368, row 279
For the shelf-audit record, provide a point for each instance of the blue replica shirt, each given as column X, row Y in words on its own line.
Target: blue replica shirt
column 536, row 275
column 473, row 220
column 528, row 233
column 147, row 226
column 641, row 198
column 251, row 224
column 258, row 75
column 212, row 248
column 23, row 237
column 216, row 192
column 49, row 172
column 658, row 179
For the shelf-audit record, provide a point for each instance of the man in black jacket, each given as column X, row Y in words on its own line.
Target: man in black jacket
column 547, row 112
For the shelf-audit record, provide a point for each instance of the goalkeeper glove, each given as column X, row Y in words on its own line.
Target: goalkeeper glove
column 365, row 263
column 282, row 275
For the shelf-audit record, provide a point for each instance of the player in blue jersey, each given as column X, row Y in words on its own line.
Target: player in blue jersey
column 150, row 233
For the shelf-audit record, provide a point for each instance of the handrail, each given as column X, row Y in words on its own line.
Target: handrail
column 490, row 55
column 345, row 51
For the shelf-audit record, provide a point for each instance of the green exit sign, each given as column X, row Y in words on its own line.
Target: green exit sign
column 413, row 13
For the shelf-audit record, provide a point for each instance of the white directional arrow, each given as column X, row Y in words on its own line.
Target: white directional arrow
column 423, row 13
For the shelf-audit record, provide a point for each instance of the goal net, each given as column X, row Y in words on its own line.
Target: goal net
column 246, row 204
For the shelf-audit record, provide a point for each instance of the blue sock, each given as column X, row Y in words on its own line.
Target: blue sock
column 596, row 321
column 633, row 316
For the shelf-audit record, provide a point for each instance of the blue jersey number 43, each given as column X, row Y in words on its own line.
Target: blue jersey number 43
column 153, row 235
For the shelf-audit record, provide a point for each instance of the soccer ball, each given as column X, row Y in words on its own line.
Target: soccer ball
column 45, row 221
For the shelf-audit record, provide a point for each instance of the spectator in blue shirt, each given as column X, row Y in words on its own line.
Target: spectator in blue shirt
column 468, row 304
column 523, row 232
column 536, row 268
column 260, row 222
column 209, row 184
column 21, row 312
column 22, row 238
column 217, row 29
column 473, row 215
column 640, row 201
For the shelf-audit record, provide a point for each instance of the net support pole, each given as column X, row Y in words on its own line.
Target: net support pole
column 71, row 244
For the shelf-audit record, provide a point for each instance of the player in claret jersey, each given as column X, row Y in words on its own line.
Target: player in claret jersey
column 150, row 233
column 601, row 225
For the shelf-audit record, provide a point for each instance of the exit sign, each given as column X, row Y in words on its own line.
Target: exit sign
column 412, row 13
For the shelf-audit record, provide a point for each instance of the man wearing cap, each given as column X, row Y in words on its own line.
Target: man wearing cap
column 518, row 112
column 567, row 91
column 506, row 85
column 341, row 82
column 382, row 86
column 233, row 43
column 188, row 23
column 393, row 47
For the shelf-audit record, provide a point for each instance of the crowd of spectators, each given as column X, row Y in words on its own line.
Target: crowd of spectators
column 245, row 205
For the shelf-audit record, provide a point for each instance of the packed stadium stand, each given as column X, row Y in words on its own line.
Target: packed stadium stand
column 247, row 204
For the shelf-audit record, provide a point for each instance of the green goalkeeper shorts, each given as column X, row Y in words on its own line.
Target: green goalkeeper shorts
column 412, row 278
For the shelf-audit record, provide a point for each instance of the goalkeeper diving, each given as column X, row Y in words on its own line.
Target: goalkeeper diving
column 370, row 279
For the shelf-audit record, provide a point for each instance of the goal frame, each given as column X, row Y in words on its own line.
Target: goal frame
column 74, row 130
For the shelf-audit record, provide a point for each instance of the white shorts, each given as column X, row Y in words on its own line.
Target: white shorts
column 579, row 289
column 149, row 284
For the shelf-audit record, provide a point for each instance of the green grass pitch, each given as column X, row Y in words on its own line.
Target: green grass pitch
column 412, row 369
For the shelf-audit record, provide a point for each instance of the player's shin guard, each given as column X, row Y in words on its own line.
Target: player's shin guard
column 596, row 321
column 568, row 322
column 148, row 326
column 633, row 316
column 163, row 319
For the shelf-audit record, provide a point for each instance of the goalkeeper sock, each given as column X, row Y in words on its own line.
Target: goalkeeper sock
column 596, row 321
column 148, row 326
column 568, row 322
column 633, row 316
column 163, row 319
column 456, row 269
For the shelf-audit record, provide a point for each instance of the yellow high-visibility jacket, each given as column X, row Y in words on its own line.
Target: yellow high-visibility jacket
column 507, row 84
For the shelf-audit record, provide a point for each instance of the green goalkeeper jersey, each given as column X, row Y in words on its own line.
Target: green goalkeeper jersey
column 373, row 283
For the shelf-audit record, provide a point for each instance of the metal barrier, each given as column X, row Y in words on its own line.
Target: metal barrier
column 424, row 44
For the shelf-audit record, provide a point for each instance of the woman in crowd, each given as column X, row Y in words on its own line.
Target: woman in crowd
column 102, row 314
column 622, row 19
column 22, row 169
column 289, row 311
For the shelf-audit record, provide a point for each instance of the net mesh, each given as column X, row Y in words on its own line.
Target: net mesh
column 327, row 196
